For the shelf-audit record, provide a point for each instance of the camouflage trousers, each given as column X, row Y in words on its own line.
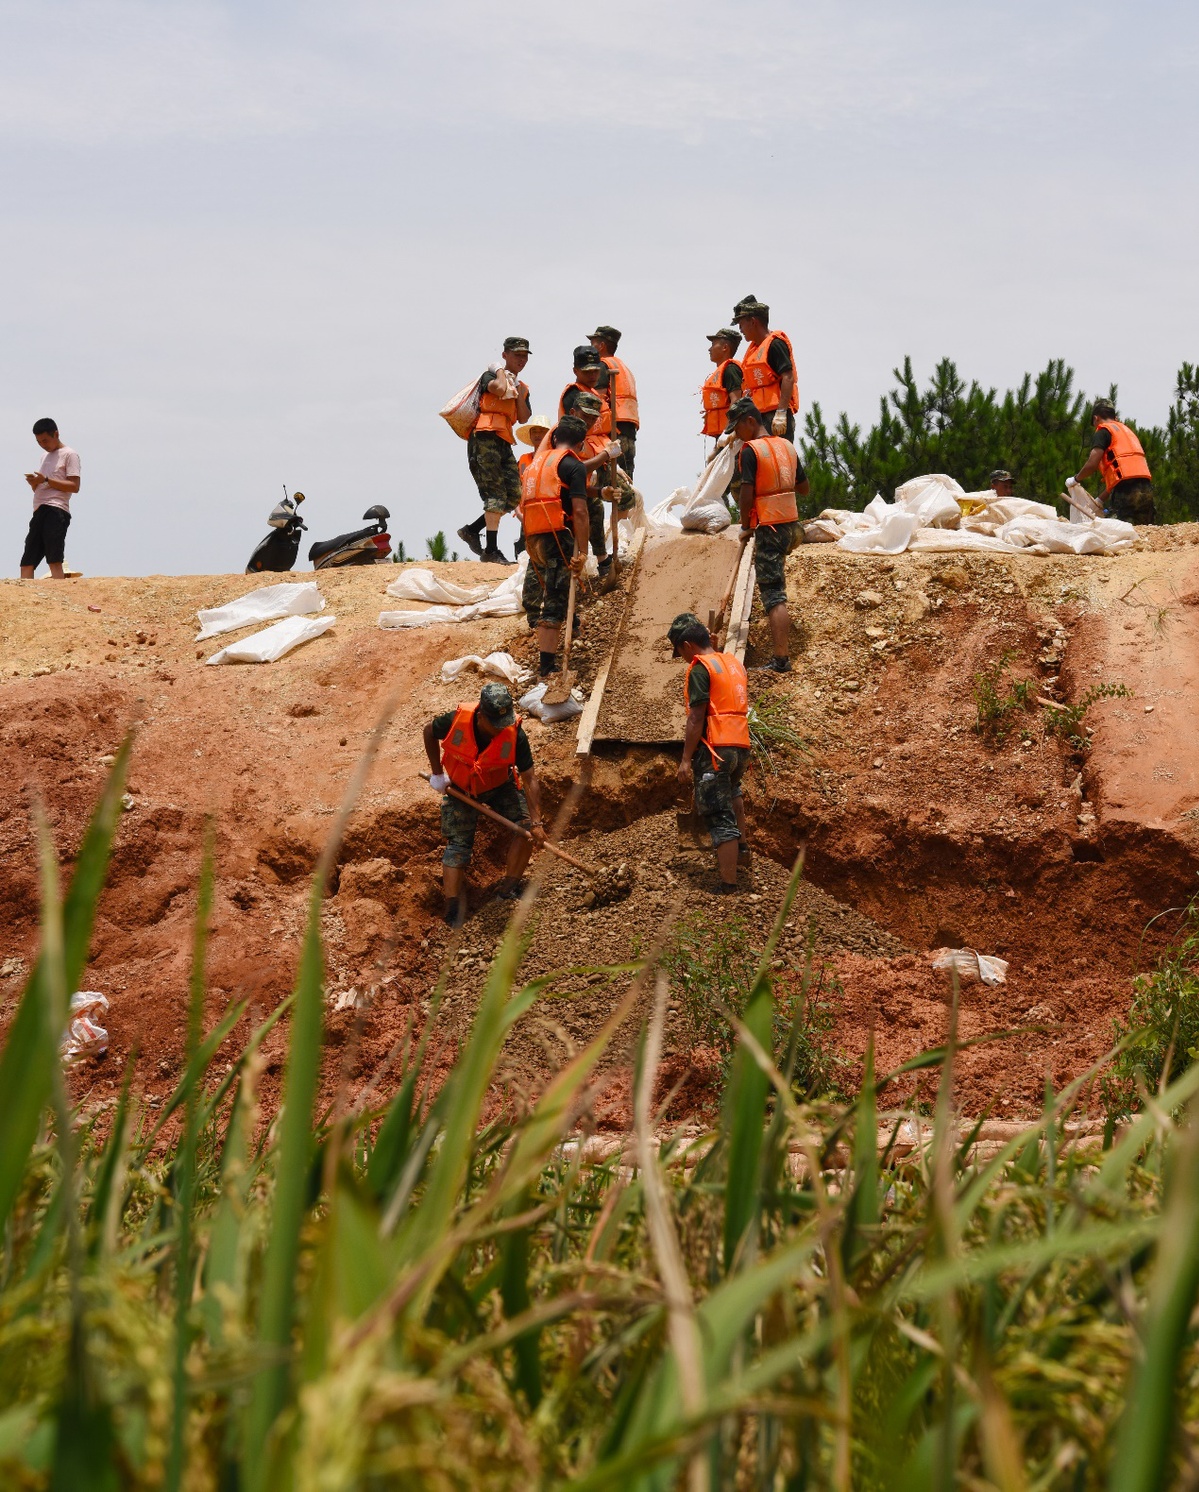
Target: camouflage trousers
column 547, row 579
column 495, row 471
column 717, row 784
column 459, row 820
column 773, row 542
column 1133, row 502
column 599, row 512
column 626, row 433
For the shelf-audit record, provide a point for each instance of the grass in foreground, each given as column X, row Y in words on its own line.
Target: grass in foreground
column 396, row 1295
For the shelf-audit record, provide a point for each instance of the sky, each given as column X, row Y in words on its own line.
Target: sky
column 255, row 245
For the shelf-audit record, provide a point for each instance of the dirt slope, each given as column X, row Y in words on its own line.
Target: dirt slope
column 1054, row 861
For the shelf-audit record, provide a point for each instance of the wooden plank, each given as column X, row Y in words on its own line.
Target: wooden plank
column 742, row 605
column 590, row 716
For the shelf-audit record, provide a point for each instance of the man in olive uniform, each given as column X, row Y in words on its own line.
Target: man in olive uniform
column 1003, row 484
column 771, row 478
column 480, row 751
column 716, row 745
column 489, row 449
column 554, row 514
column 1118, row 456
column 767, row 367
column 620, row 384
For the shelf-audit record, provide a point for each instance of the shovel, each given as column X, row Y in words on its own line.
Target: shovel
column 718, row 619
column 688, row 823
column 557, row 692
column 499, row 818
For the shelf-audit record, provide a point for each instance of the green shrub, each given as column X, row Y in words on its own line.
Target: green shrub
column 996, row 713
column 1066, row 721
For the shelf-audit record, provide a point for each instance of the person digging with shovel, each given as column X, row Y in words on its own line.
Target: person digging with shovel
column 480, row 750
column 716, row 742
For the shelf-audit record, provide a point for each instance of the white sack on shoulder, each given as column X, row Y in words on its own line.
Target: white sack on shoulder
column 971, row 965
column 495, row 666
column 263, row 605
column 422, row 585
column 272, row 642
column 531, row 704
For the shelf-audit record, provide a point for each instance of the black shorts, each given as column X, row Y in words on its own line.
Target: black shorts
column 47, row 536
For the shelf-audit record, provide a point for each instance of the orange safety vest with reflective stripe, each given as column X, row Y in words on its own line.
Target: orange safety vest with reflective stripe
column 469, row 769
column 759, row 379
column 625, row 386
column 717, row 399
column 496, row 416
column 1124, row 459
column 603, row 424
column 541, row 510
column 774, row 481
column 728, row 700
column 523, row 463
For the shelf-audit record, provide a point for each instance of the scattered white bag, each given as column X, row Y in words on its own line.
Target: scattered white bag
column 495, row 666
column 971, row 964
column 892, row 535
column 951, row 541
column 531, row 704
column 422, row 585
column 462, row 410
column 272, row 642
column 85, row 1036
column 263, row 605
column 502, row 599
column 933, row 499
column 821, row 531
column 705, row 511
column 1100, row 536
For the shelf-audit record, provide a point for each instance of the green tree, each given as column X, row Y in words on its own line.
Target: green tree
column 1176, row 464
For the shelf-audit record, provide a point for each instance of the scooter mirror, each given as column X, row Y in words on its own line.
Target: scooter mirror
column 378, row 511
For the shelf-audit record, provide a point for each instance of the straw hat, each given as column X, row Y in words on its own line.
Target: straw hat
column 524, row 433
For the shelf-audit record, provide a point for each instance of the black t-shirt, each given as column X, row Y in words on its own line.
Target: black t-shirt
column 699, row 685
column 574, row 481
column 524, row 753
column 730, row 378
column 1102, row 440
column 778, row 357
column 749, row 467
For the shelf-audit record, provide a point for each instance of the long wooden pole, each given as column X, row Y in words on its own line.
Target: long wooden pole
column 516, row 828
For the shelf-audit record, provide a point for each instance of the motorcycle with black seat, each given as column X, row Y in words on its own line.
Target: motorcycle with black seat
column 279, row 549
column 365, row 546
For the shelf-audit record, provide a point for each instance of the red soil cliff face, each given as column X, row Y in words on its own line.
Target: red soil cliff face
column 916, row 830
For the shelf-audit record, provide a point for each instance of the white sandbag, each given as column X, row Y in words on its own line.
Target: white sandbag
column 890, row 536
column 531, row 704
column 293, row 598
column 950, row 541
column 272, row 642
column 432, row 616
column 85, row 1036
column 971, row 964
column 495, row 666
column 1005, row 509
column 501, row 599
column 461, row 412
column 705, row 511
column 423, row 585
column 1100, row 536
column 820, row 531
column 664, row 519
column 932, row 499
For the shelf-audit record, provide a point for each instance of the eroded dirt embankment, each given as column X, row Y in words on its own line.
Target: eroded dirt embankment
column 1055, row 860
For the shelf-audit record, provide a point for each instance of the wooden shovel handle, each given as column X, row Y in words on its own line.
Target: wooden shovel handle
column 516, row 828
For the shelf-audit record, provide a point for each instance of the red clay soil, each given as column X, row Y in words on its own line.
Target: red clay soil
column 916, row 828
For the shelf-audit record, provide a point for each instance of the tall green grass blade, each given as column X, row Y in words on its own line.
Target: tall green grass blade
column 745, row 1118
column 185, row 1173
column 863, row 1209
column 110, row 1182
column 296, row 1149
column 224, row 1274
column 30, row 1051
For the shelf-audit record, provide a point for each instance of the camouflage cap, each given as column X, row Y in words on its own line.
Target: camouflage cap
column 750, row 305
column 743, row 409
column 569, row 431
column 1103, row 409
column 727, row 334
column 588, row 406
column 1000, row 476
column 607, row 334
column 587, row 357
column 516, row 344
column 687, row 627
column 496, row 704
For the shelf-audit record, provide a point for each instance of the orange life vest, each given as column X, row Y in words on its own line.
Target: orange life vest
column 1124, row 458
column 625, row 386
column 774, row 481
column 496, row 416
column 759, row 378
column 541, row 510
column 523, row 463
column 603, row 425
column 728, row 700
column 469, row 769
column 717, row 399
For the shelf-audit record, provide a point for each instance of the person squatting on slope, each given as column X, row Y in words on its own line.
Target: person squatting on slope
column 768, row 367
column 771, row 477
column 553, row 514
column 1118, row 456
column 503, row 399
column 481, row 749
column 716, row 742
column 623, row 386
column 53, row 485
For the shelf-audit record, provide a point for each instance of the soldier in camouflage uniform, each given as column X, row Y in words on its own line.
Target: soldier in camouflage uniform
column 489, row 453
column 553, row 555
column 480, row 751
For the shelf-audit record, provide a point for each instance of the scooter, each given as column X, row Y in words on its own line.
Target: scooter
column 365, row 546
column 279, row 549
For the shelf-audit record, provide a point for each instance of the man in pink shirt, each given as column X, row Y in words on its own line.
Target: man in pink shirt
column 53, row 484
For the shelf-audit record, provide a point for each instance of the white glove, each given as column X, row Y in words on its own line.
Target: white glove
column 778, row 425
column 1071, row 482
column 439, row 782
column 726, row 439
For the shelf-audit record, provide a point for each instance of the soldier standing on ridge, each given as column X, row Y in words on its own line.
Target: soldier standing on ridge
column 590, row 374
column 768, row 367
column 722, row 387
column 553, row 511
column 605, row 340
column 771, row 477
column 503, row 399
column 1119, row 457
column 716, row 742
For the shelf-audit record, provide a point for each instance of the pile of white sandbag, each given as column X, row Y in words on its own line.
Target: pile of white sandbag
column 934, row 513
